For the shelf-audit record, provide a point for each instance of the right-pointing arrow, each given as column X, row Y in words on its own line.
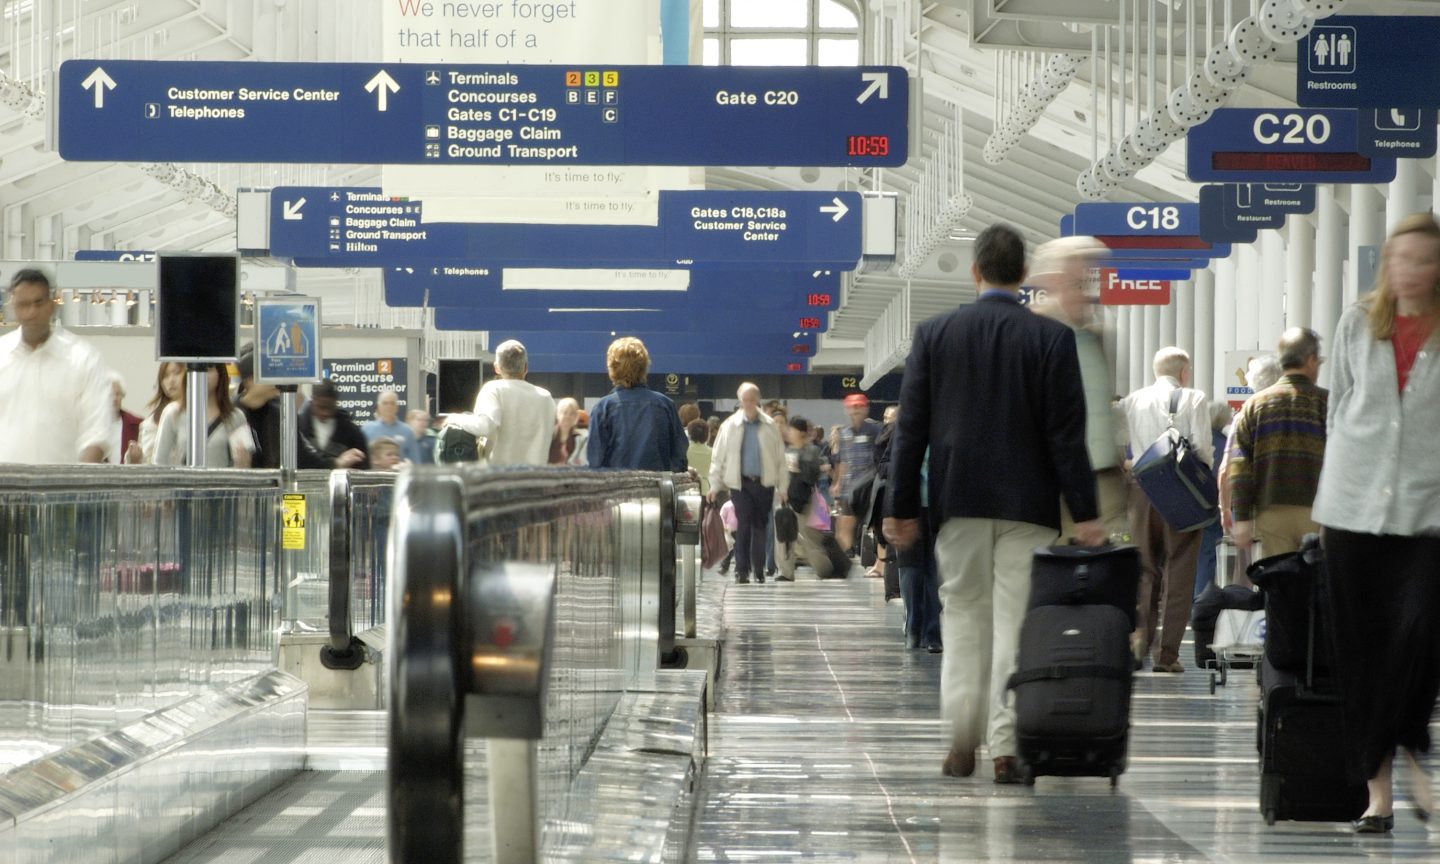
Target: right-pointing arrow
column 839, row 209
column 290, row 210
column 99, row 81
column 879, row 83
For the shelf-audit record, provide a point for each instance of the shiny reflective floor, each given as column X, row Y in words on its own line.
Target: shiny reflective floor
column 825, row 746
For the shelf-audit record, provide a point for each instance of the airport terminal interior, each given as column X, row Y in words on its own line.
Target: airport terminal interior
column 578, row 375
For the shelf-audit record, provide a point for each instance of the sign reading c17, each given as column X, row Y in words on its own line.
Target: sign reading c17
column 445, row 114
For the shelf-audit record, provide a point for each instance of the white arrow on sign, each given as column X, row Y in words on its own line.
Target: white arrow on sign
column 101, row 81
column 839, row 209
column 291, row 210
column 879, row 83
column 382, row 85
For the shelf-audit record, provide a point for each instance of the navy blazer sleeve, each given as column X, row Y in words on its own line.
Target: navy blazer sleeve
column 912, row 431
column 1064, row 412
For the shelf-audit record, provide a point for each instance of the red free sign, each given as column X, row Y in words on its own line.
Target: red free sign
column 1115, row 291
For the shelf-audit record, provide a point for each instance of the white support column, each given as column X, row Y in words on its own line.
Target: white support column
column 1119, row 347
column 1367, row 228
column 1168, row 334
column 1203, row 358
column 1224, row 331
column 1139, row 363
column 1403, row 196
column 1271, row 288
column 1183, row 302
column 1300, row 269
column 1329, row 264
column 1249, row 285
column 1152, row 337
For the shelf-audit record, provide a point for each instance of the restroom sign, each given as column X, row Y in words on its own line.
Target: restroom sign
column 1118, row 291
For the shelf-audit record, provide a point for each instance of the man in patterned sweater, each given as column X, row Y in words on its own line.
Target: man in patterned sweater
column 1278, row 450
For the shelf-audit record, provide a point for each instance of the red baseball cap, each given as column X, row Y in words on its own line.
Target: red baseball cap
column 856, row 399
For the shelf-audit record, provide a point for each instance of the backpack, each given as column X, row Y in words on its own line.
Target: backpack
column 455, row 445
column 1176, row 480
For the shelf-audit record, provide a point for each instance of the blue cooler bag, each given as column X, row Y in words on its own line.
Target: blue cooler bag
column 1176, row 480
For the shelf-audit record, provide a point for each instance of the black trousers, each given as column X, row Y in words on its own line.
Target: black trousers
column 753, row 503
column 1385, row 592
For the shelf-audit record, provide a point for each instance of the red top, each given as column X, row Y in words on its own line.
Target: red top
column 1411, row 334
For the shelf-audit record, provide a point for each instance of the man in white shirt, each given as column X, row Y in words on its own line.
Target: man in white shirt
column 1167, row 557
column 55, row 395
column 516, row 418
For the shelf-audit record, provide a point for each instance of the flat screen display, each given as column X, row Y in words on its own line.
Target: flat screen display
column 198, row 308
column 458, row 383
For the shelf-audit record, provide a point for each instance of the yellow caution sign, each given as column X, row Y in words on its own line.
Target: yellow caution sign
column 292, row 522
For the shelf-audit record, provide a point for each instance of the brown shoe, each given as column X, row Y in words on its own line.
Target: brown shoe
column 1007, row 770
column 1171, row 668
column 960, row 762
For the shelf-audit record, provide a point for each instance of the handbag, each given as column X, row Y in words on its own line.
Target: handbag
column 787, row 526
column 455, row 445
column 819, row 517
column 1086, row 576
column 1176, row 480
column 712, row 536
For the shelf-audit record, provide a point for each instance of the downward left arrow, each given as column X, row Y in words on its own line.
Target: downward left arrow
column 99, row 81
column 291, row 210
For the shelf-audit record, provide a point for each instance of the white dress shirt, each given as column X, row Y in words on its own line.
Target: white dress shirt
column 516, row 418
column 1147, row 414
column 55, row 400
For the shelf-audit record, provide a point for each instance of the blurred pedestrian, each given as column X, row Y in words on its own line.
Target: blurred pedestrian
column 567, row 445
column 228, row 442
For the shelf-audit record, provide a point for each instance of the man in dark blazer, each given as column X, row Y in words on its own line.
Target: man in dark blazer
column 994, row 393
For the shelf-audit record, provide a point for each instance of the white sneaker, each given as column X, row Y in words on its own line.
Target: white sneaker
column 895, row 601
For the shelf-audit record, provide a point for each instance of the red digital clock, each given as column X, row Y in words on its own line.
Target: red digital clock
column 794, row 367
column 868, row 145
column 799, row 349
column 817, row 300
column 809, row 323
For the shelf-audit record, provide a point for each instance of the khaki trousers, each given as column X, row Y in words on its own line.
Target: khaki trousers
column 1168, row 559
column 984, row 568
column 1281, row 527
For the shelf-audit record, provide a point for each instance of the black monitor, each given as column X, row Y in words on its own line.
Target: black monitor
column 457, row 384
column 198, row 308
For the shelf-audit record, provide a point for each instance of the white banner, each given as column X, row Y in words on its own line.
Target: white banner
column 596, row 280
column 613, row 32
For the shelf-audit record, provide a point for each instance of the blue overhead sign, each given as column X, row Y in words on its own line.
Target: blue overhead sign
column 620, row 316
column 709, row 290
column 439, row 114
column 1165, row 219
column 1215, row 224
column 662, row 346
column 1282, row 145
column 1407, row 133
column 124, row 255
column 1369, row 61
column 687, row 364
column 360, row 227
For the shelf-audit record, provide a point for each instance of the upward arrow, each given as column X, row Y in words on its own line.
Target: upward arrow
column 879, row 82
column 100, row 81
column 382, row 85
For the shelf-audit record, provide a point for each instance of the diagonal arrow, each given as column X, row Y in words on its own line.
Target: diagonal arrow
column 382, row 85
column 291, row 210
column 839, row 209
column 101, row 81
column 879, row 83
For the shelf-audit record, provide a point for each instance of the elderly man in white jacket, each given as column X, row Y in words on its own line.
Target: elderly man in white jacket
column 749, row 460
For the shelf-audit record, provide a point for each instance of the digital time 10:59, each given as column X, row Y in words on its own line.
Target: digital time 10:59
column 817, row 300
column 867, row 145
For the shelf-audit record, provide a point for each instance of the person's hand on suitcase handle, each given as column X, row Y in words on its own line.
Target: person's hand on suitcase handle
column 1091, row 533
column 902, row 533
column 1243, row 534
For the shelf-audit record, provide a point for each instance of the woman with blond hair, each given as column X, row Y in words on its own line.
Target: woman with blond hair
column 633, row 426
column 567, row 445
column 1379, row 505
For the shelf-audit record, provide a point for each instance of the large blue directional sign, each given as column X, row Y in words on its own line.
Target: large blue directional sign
column 663, row 346
column 689, row 364
column 1161, row 231
column 359, row 227
column 1397, row 132
column 1369, row 61
column 764, row 292
column 1282, row 145
column 437, row 114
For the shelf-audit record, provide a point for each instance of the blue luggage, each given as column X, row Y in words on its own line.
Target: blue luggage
column 1176, row 480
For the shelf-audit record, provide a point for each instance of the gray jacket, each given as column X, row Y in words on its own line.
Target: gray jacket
column 1381, row 473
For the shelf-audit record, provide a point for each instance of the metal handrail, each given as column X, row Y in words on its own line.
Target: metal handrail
column 91, row 478
column 344, row 651
column 440, row 514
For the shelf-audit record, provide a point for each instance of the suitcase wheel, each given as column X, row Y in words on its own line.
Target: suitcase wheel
column 1224, row 675
column 1269, row 817
column 1114, row 776
column 1214, row 679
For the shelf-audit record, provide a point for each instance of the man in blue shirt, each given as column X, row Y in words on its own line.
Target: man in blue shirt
column 387, row 424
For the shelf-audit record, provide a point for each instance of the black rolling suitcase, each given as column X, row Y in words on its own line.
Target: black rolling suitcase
column 1072, row 692
column 1304, row 751
column 839, row 561
column 1073, row 677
